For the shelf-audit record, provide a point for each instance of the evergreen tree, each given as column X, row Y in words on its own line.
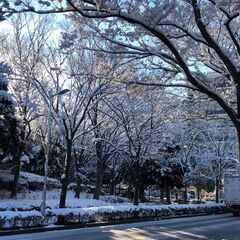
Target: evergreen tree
column 9, row 127
column 9, row 135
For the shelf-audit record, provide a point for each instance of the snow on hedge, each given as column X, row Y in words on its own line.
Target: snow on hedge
column 128, row 211
column 14, row 219
column 129, row 208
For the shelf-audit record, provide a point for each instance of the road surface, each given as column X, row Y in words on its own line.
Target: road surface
column 219, row 227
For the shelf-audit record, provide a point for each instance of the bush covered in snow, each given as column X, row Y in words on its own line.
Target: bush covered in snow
column 99, row 211
column 17, row 219
column 128, row 211
column 27, row 181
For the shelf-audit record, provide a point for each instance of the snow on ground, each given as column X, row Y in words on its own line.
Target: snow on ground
column 25, row 210
column 29, row 204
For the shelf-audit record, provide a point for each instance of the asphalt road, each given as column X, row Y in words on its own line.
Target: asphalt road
column 219, row 227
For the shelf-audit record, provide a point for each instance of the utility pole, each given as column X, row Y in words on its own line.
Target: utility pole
column 47, row 149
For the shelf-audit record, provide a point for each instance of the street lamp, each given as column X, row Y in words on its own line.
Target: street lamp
column 47, row 152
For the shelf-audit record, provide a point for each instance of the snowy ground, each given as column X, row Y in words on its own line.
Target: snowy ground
column 25, row 211
column 34, row 201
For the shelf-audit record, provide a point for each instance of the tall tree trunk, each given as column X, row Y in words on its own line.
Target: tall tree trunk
column 217, row 190
column 238, row 143
column 119, row 188
column 161, row 193
column 16, row 173
column 17, row 163
column 136, row 193
column 78, row 188
column 98, row 184
column 168, row 193
column 101, row 160
column 136, row 184
column 65, row 180
column 237, row 123
column 78, row 161
column 142, row 194
column 112, row 182
column 112, row 188
column 185, row 197
column 198, row 194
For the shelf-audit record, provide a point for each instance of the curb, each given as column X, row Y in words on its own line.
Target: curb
column 98, row 224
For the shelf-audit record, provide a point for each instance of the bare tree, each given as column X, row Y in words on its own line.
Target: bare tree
column 141, row 122
column 186, row 37
column 21, row 51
